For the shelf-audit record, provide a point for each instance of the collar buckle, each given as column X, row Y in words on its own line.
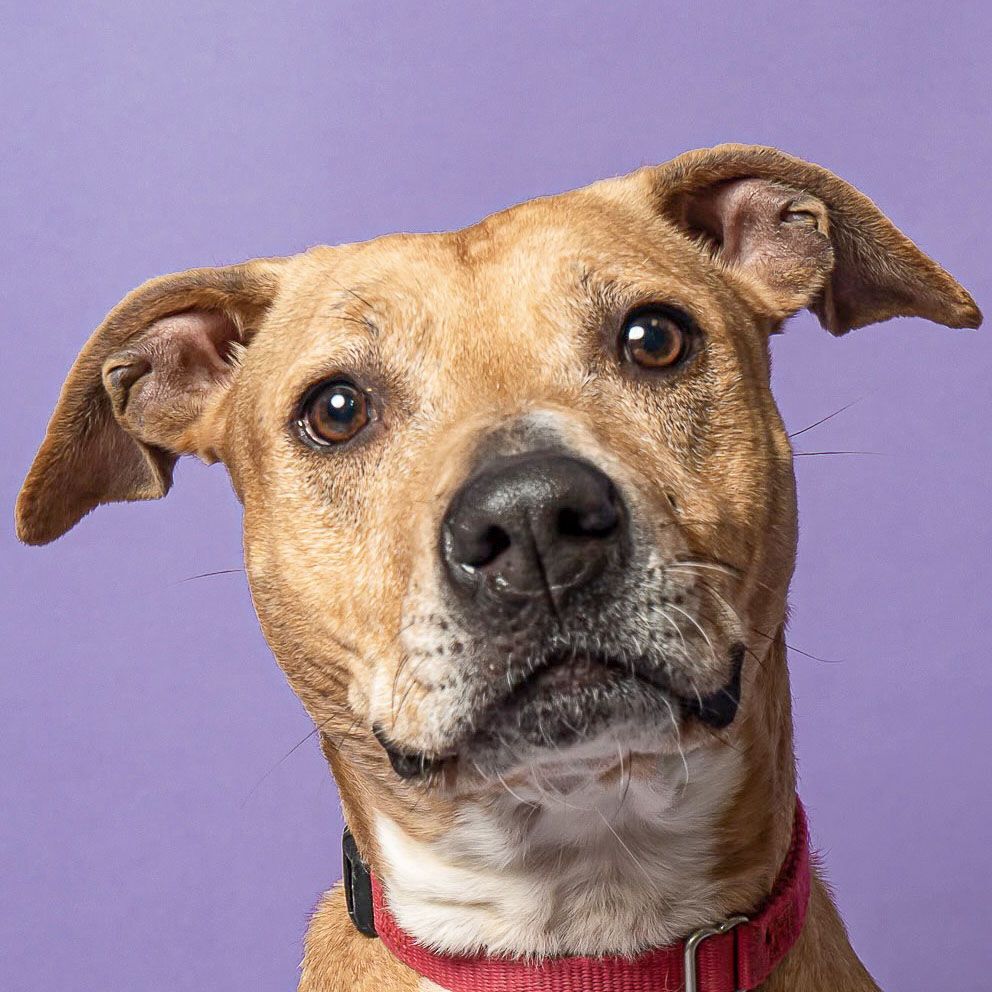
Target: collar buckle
column 692, row 950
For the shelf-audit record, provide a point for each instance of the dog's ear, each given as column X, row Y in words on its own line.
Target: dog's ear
column 144, row 390
column 804, row 238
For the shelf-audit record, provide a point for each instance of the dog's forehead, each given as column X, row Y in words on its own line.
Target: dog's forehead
column 491, row 285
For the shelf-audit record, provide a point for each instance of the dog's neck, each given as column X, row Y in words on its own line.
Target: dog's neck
column 668, row 844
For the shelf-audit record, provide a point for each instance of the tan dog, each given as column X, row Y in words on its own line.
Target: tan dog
column 520, row 522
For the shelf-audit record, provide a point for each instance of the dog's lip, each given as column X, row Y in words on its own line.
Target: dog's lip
column 565, row 674
column 410, row 764
column 572, row 672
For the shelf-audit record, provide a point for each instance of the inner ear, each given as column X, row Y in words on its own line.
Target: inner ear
column 776, row 236
column 161, row 384
column 149, row 385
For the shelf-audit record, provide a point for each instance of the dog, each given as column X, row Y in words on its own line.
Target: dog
column 519, row 526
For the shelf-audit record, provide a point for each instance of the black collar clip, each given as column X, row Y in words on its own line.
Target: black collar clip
column 357, row 887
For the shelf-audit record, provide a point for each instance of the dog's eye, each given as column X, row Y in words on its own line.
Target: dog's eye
column 335, row 412
column 655, row 337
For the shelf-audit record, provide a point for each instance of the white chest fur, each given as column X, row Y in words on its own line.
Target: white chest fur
column 617, row 864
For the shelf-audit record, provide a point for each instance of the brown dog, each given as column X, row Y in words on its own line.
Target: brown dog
column 519, row 526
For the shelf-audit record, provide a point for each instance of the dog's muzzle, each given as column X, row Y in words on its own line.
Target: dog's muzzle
column 539, row 561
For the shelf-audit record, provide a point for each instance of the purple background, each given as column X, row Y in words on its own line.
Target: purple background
column 150, row 835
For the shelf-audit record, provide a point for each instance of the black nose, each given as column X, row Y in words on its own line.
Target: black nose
column 538, row 524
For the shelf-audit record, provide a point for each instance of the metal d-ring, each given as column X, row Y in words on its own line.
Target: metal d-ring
column 692, row 948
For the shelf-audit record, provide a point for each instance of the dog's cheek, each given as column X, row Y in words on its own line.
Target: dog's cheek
column 425, row 694
column 296, row 607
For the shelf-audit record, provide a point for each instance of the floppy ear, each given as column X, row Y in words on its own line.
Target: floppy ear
column 804, row 238
column 141, row 393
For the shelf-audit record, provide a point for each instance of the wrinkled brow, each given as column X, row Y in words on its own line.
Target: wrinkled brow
column 352, row 306
column 600, row 295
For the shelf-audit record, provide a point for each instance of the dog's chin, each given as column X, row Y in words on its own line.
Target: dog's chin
column 570, row 705
column 563, row 706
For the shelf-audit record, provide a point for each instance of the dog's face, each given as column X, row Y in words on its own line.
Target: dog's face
column 513, row 487
column 516, row 495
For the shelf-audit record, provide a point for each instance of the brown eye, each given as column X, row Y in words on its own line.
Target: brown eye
column 335, row 412
column 655, row 338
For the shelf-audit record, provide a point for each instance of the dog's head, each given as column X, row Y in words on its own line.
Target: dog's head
column 512, row 494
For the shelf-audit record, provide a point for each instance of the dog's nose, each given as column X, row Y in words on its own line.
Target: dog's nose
column 538, row 524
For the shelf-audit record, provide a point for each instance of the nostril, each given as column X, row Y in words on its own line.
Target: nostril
column 487, row 547
column 600, row 521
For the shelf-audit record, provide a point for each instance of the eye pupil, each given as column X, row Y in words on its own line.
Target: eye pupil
column 335, row 413
column 655, row 339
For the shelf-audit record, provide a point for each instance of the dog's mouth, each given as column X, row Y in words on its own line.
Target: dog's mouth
column 570, row 697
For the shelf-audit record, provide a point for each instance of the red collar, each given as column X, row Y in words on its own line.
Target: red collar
column 732, row 956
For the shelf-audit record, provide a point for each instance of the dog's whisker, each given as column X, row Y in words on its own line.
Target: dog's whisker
column 623, row 844
column 399, row 668
column 714, row 564
column 758, row 660
column 552, row 794
column 740, row 620
column 506, row 786
column 291, row 751
column 207, row 575
column 694, row 569
column 792, row 647
column 414, row 682
column 680, row 564
column 823, row 420
column 678, row 744
column 624, row 780
column 721, row 600
column 698, row 627
column 317, row 729
column 808, row 454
